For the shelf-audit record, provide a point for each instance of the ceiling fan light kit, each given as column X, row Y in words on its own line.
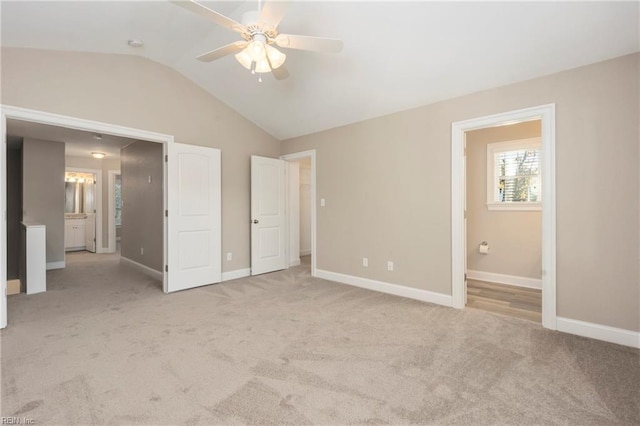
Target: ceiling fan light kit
column 259, row 31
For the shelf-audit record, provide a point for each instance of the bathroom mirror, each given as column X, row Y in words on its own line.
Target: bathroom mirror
column 79, row 193
column 73, row 197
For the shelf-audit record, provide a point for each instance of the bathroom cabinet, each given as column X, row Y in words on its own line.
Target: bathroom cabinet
column 74, row 234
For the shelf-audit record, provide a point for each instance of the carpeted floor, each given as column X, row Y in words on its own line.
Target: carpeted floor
column 105, row 346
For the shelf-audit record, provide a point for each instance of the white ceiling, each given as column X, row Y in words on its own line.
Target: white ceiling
column 397, row 55
column 78, row 143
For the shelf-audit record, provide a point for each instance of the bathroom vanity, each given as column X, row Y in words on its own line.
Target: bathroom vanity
column 75, row 231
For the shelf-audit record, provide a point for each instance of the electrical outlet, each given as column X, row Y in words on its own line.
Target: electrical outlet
column 365, row 262
column 229, row 256
column 141, row 250
column 389, row 266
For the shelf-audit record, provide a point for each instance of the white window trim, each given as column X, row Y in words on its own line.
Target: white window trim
column 492, row 149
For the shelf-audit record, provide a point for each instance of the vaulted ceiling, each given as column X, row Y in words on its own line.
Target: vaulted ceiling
column 397, row 55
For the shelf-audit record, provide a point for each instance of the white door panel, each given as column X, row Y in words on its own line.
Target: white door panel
column 267, row 215
column 90, row 233
column 194, row 215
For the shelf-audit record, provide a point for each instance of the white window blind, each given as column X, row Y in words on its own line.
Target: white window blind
column 513, row 175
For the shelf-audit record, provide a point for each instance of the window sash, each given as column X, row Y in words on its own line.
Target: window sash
column 512, row 178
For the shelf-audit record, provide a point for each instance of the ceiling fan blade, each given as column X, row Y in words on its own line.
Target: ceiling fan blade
column 280, row 73
column 223, row 51
column 210, row 14
column 318, row 44
column 272, row 13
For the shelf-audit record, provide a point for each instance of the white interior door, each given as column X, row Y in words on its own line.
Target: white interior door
column 267, row 215
column 90, row 233
column 464, row 178
column 89, row 207
column 194, row 216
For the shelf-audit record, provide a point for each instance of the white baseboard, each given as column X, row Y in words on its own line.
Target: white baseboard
column 395, row 289
column 234, row 275
column 599, row 332
column 294, row 262
column 305, row 252
column 505, row 279
column 55, row 265
column 147, row 270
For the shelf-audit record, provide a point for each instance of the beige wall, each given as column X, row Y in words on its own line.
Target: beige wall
column 139, row 93
column 387, row 184
column 515, row 237
column 43, row 191
column 142, row 171
column 104, row 165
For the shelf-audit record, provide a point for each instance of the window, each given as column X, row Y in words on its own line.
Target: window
column 513, row 175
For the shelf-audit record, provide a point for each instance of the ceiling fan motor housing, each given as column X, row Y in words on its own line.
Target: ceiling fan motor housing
column 251, row 21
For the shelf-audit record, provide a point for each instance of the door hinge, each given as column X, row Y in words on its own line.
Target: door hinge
column 465, row 276
column 166, row 268
column 166, row 213
column 166, row 158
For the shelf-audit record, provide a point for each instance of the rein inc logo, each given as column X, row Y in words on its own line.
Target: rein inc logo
column 17, row 421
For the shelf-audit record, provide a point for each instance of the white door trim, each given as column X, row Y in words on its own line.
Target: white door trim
column 98, row 204
column 546, row 113
column 25, row 114
column 111, row 222
column 314, row 249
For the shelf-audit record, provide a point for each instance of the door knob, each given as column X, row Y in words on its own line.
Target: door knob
column 256, row 221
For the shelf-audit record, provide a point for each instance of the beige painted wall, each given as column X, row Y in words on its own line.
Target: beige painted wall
column 142, row 170
column 139, row 93
column 105, row 165
column 43, row 191
column 515, row 237
column 387, row 184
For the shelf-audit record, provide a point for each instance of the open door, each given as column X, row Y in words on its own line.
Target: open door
column 464, row 180
column 89, row 207
column 267, row 215
column 90, row 233
column 194, row 216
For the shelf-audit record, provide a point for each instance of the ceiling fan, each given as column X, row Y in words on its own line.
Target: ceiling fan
column 259, row 30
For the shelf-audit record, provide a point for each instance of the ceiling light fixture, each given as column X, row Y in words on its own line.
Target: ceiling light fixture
column 259, row 56
column 98, row 155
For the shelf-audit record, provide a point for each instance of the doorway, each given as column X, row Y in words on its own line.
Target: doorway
column 504, row 223
column 115, row 210
column 42, row 118
column 546, row 114
column 301, row 215
column 82, row 210
column 275, row 212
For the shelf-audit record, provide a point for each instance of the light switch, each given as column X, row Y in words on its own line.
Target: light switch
column 322, row 203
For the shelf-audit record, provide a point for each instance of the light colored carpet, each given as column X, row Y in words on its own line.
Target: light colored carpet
column 105, row 346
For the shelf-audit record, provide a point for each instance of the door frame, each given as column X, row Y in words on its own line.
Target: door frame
column 111, row 222
column 41, row 117
column 547, row 115
column 314, row 248
column 98, row 203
